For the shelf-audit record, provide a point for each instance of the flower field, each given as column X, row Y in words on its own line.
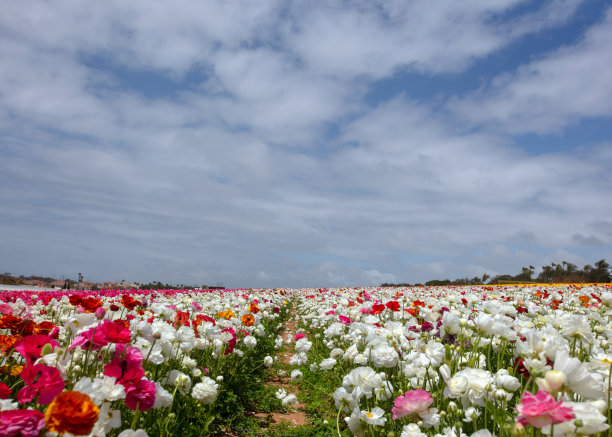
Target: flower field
column 410, row 362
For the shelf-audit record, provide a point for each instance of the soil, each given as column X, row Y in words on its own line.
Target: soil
column 296, row 415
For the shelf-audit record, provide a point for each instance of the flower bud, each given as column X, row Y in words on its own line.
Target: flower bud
column 518, row 430
column 46, row 350
column 555, row 379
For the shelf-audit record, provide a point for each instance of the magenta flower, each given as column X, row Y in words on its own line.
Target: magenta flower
column 412, row 402
column 5, row 391
column 42, row 381
column 26, row 423
column 92, row 339
column 30, row 347
column 345, row 320
column 115, row 332
column 542, row 410
column 140, row 395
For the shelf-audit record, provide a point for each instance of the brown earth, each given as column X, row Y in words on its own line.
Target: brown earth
column 296, row 415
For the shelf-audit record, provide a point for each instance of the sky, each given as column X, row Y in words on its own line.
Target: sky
column 304, row 143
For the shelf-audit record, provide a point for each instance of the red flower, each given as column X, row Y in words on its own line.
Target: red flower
column 91, row 304
column 129, row 302
column 75, row 299
column 140, row 395
column 42, row 381
column 377, row 309
column 393, row 305
column 30, row 347
column 25, row 423
column 5, row 391
column 115, row 332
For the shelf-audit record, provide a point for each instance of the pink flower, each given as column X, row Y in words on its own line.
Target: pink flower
column 6, row 309
column 30, row 347
column 26, row 423
column 298, row 336
column 140, row 395
column 345, row 320
column 5, row 391
column 412, row 402
column 42, row 381
column 542, row 410
column 115, row 332
column 92, row 339
column 126, row 371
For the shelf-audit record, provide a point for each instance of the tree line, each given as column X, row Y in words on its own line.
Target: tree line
column 565, row 272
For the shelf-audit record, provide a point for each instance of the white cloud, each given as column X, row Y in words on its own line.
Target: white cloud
column 548, row 94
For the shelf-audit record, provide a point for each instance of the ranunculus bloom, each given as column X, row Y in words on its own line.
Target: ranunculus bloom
column 5, row 391
column 140, row 395
column 73, row 412
column 30, row 347
column 91, row 304
column 393, row 305
column 247, row 320
column 41, row 380
column 412, row 402
column 115, row 332
column 542, row 410
column 92, row 339
column 126, row 371
column 26, row 423
column 377, row 309
column 344, row 320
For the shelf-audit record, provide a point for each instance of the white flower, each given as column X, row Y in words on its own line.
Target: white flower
column 298, row 359
column 506, row 381
column 354, row 423
column 189, row 362
column 163, row 398
column 384, row 356
column 451, row 432
column 281, row 393
column 7, row 404
column 107, row 420
column 579, row 379
column 482, row 433
column 374, row 417
column 296, row 375
column 250, row 341
column 327, row 364
column 268, row 361
column 100, row 389
column 362, row 379
column 412, row 430
column 205, row 391
column 590, row 416
column 342, row 398
column 553, row 381
column 469, row 385
column 132, row 433
column 303, row 345
column 290, row 399
column 471, row 414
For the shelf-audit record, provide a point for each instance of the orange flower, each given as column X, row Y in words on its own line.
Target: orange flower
column 11, row 370
column 253, row 308
column 247, row 320
column 7, row 342
column 73, row 412
column 227, row 314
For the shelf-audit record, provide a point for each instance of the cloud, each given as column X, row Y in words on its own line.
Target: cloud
column 550, row 93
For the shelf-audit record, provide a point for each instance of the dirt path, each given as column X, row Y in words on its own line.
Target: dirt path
column 296, row 414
